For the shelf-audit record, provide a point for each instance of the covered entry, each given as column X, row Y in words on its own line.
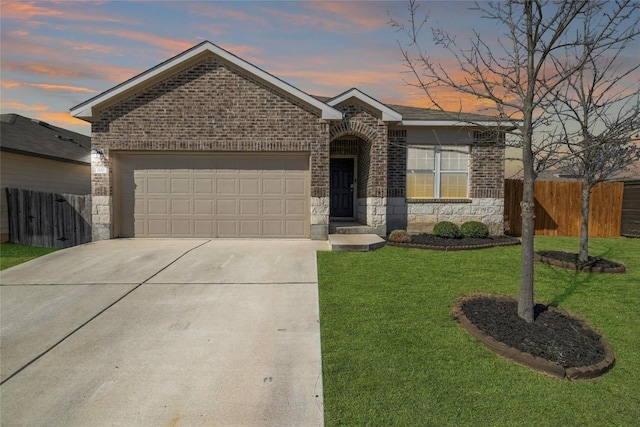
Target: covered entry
column 214, row 195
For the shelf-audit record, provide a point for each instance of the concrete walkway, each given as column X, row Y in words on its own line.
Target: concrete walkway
column 139, row 332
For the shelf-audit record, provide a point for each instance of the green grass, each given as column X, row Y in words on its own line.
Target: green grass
column 13, row 254
column 392, row 355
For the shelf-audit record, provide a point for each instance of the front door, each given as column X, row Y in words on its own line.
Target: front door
column 342, row 188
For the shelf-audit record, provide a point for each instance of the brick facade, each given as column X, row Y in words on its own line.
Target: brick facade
column 209, row 105
column 487, row 171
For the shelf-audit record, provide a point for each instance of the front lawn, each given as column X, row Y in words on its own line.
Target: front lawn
column 392, row 355
column 13, row 254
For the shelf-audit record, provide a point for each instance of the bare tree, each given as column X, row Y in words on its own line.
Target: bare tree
column 518, row 79
column 600, row 121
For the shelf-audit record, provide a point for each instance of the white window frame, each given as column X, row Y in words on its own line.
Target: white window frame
column 437, row 171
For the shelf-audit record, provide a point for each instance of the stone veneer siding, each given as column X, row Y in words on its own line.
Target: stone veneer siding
column 210, row 107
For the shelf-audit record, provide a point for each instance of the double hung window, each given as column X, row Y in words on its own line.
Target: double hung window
column 437, row 172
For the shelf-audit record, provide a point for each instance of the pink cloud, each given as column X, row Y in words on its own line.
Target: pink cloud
column 64, row 69
column 15, row 105
column 166, row 43
column 27, row 11
column 214, row 10
column 368, row 18
column 8, row 84
column 303, row 20
column 61, row 118
column 63, row 88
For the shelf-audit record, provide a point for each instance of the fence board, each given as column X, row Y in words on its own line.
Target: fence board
column 630, row 222
column 48, row 219
column 557, row 208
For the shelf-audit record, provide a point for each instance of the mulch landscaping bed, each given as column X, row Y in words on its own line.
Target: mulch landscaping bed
column 431, row 241
column 556, row 343
column 570, row 261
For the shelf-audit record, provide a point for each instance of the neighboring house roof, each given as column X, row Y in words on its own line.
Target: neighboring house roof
column 32, row 137
column 85, row 110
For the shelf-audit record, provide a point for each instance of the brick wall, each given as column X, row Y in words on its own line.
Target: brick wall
column 397, row 164
column 212, row 107
column 487, row 171
column 372, row 150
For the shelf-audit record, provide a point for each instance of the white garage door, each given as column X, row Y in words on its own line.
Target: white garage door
column 214, row 195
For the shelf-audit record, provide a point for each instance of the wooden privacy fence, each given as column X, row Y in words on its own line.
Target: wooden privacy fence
column 557, row 208
column 48, row 219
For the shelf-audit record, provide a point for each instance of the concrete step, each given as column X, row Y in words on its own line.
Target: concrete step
column 350, row 227
column 355, row 242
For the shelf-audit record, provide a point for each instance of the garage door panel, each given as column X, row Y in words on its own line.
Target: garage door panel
column 294, row 186
column 250, row 186
column 203, row 207
column 157, row 186
column 214, row 196
column 203, row 228
column 227, row 227
column 158, row 227
column 294, row 227
column 249, row 207
column 295, row 207
column 181, row 227
column 155, row 206
column 203, row 186
column 181, row 185
column 226, row 207
column 226, row 185
column 272, row 186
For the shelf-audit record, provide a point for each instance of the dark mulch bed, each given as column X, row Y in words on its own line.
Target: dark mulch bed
column 431, row 241
column 570, row 261
column 554, row 336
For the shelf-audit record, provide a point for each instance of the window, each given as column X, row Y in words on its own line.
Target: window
column 437, row 172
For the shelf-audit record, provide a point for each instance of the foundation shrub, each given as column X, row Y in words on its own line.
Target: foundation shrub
column 399, row 236
column 474, row 229
column 447, row 230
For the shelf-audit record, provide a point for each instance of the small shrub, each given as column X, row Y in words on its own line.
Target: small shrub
column 399, row 236
column 447, row 230
column 474, row 229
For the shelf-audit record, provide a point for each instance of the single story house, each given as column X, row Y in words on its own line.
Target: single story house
column 40, row 157
column 206, row 144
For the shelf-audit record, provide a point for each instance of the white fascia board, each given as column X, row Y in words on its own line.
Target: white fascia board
column 85, row 110
column 452, row 123
column 388, row 115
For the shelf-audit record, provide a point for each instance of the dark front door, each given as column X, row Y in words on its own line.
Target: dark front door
column 341, row 188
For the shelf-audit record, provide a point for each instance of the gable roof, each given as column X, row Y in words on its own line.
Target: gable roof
column 388, row 114
column 85, row 110
column 32, row 137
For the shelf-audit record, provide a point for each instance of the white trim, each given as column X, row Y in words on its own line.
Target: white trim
column 85, row 110
column 388, row 115
column 455, row 123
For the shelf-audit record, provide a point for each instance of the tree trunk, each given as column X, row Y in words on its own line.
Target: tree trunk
column 583, row 256
column 525, row 298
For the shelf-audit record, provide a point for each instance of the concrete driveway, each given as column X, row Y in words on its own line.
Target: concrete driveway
column 163, row 333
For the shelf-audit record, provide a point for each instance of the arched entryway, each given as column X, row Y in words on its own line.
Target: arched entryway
column 354, row 177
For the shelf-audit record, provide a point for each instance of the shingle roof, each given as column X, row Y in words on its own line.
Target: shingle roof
column 23, row 135
column 426, row 114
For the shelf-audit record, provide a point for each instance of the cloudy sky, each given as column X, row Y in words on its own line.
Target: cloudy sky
column 57, row 54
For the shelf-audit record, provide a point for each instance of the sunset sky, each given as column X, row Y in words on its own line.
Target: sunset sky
column 57, row 54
